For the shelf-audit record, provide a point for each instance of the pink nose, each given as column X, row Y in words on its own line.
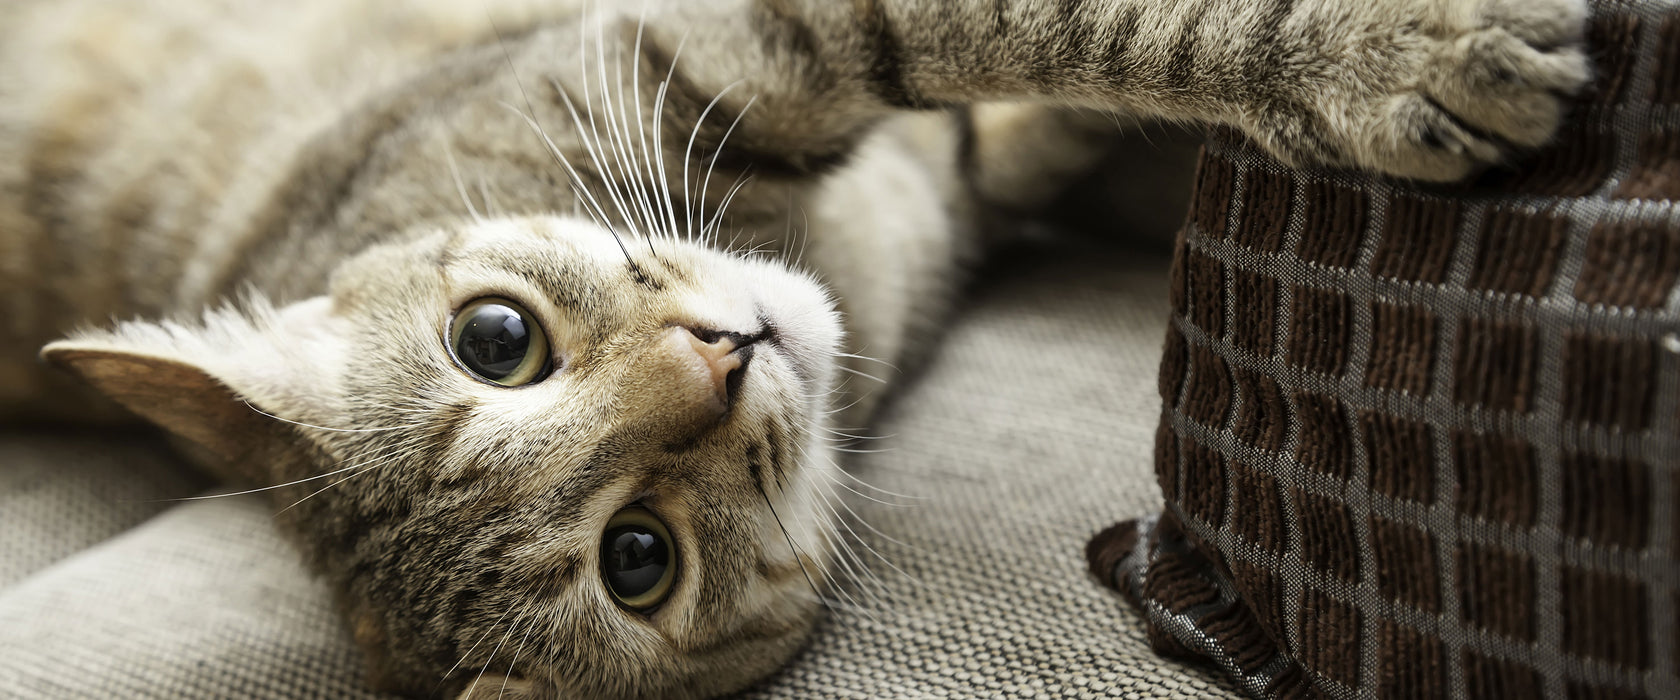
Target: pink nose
column 708, row 364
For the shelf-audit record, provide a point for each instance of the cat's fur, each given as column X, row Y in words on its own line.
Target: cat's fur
column 347, row 174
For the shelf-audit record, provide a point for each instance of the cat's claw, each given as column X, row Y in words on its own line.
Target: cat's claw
column 1481, row 79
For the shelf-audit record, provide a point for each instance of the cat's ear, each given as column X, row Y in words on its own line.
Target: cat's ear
column 219, row 383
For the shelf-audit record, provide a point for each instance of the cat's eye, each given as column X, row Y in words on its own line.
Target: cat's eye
column 638, row 559
column 500, row 342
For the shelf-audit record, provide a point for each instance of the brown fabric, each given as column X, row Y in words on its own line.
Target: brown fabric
column 1424, row 442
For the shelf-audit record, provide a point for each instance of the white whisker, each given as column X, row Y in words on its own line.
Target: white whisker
column 319, row 427
column 460, row 185
column 696, row 210
column 474, row 647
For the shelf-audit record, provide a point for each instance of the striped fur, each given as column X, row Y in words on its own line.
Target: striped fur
column 309, row 191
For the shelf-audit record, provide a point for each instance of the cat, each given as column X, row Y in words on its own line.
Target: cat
column 531, row 317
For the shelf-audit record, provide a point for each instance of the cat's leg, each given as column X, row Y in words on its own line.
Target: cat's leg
column 1419, row 88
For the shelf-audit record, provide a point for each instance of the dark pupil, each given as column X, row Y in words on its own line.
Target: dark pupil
column 493, row 341
column 633, row 560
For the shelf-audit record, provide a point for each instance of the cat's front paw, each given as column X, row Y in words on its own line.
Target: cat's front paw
column 1449, row 88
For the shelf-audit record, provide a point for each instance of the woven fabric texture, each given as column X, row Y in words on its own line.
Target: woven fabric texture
column 1029, row 428
column 1424, row 442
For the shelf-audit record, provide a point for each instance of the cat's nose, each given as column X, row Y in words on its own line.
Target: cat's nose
column 716, row 362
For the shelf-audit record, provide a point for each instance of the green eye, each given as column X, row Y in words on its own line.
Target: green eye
column 638, row 559
column 498, row 341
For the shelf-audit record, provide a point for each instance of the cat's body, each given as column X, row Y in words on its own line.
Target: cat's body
column 366, row 173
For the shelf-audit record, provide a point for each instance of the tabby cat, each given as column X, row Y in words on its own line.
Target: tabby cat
column 531, row 316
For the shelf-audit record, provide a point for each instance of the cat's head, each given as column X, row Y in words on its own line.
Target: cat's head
column 543, row 464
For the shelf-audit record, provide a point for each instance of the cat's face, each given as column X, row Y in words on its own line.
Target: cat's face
column 557, row 468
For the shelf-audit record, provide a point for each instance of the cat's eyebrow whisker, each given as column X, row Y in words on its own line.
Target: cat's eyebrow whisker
column 460, row 185
column 491, row 206
column 260, row 490
column 856, row 451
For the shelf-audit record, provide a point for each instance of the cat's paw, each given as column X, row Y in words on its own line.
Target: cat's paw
column 1450, row 87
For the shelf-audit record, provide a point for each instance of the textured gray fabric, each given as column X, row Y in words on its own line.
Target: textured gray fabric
column 1031, row 428
column 60, row 494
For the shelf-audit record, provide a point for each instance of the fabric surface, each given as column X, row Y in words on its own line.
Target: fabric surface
column 1030, row 428
column 1424, row 442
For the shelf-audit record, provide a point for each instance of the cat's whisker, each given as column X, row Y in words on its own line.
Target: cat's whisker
column 798, row 556
column 487, row 630
column 469, row 691
column 852, row 566
column 865, row 375
column 740, row 181
column 830, row 499
column 591, row 138
column 371, row 467
column 865, row 358
column 850, row 436
column 696, row 210
column 849, row 562
column 618, row 139
column 659, row 133
column 859, row 480
column 804, row 234
column 836, row 482
column 554, row 152
column 655, row 157
column 460, row 185
column 319, row 427
column 711, row 167
column 515, row 662
column 865, row 523
column 585, row 195
column 591, row 148
column 491, row 205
